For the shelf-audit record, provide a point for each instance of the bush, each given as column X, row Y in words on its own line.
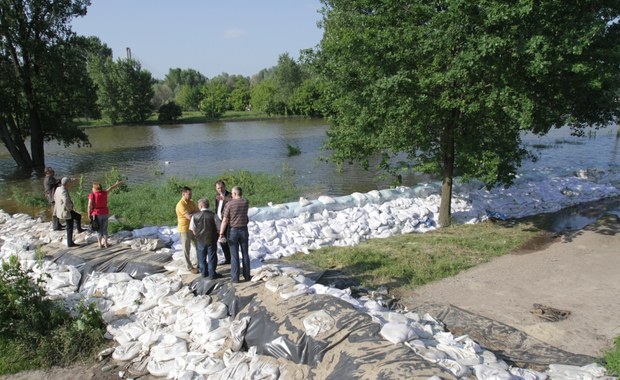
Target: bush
column 169, row 112
column 37, row 332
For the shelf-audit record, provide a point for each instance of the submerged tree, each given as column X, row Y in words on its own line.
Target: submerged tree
column 454, row 83
column 44, row 85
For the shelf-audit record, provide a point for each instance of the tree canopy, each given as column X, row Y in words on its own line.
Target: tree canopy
column 453, row 83
column 44, row 85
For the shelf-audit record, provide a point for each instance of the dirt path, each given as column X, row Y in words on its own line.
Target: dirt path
column 579, row 272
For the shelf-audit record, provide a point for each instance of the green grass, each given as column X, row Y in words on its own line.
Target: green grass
column 153, row 205
column 190, row 117
column 612, row 359
column 416, row 259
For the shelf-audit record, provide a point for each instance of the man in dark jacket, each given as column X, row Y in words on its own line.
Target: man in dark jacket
column 202, row 225
column 221, row 197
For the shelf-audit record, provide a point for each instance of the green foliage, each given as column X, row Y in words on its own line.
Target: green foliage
column 263, row 98
column 124, row 89
column 214, row 100
column 169, row 112
column 612, row 359
column 29, row 199
column 292, row 150
column 189, row 98
column 453, row 85
column 44, row 84
column 153, row 204
column 37, row 332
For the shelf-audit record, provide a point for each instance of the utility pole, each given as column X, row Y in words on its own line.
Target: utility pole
column 128, row 53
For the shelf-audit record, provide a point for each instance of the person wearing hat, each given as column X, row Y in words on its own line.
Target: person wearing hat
column 63, row 208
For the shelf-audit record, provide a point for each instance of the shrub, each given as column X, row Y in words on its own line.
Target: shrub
column 37, row 332
column 169, row 112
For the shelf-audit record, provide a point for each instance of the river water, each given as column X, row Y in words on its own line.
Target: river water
column 153, row 153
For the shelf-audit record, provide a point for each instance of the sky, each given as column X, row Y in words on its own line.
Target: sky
column 211, row 36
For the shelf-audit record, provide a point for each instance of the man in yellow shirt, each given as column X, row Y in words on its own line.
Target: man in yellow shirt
column 185, row 208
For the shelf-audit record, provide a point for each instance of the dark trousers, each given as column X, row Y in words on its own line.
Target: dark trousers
column 238, row 238
column 226, row 250
column 69, row 225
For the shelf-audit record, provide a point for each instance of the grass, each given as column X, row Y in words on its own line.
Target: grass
column 153, row 205
column 612, row 359
column 190, row 117
column 412, row 260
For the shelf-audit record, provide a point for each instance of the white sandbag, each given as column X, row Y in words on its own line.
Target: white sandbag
column 453, row 366
column 318, row 322
column 486, row 372
column 168, row 348
column 127, row 351
column 216, row 310
column 297, row 290
column 237, row 332
column 160, row 368
column 397, row 332
column 263, row 369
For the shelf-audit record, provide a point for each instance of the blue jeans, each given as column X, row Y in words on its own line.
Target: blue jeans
column 238, row 237
column 207, row 258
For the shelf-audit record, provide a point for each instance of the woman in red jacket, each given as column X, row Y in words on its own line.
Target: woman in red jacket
column 98, row 208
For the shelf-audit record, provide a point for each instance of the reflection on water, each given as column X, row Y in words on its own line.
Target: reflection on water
column 153, row 153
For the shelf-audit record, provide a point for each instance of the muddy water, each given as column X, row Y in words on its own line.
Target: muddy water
column 153, row 153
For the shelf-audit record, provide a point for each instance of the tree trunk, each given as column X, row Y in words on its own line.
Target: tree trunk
column 15, row 144
column 445, row 209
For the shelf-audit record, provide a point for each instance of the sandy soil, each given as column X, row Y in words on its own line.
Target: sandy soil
column 576, row 272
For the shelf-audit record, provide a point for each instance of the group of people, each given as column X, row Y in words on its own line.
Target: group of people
column 197, row 224
column 57, row 193
column 227, row 224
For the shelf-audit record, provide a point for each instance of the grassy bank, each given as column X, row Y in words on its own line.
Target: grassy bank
column 153, row 205
column 416, row 259
column 187, row 118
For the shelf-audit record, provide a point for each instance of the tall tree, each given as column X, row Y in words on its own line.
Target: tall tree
column 124, row 90
column 287, row 77
column 214, row 99
column 42, row 77
column 453, row 83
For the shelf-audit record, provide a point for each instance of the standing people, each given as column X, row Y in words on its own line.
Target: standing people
column 98, row 209
column 222, row 196
column 64, row 210
column 203, row 227
column 185, row 209
column 235, row 216
column 50, row 183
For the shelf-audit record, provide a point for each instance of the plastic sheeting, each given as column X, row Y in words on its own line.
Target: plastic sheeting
column 512, row 345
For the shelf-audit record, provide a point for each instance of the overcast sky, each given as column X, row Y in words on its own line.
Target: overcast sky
column 211, row 36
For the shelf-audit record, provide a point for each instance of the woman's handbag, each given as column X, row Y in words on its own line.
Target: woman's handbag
column 94, row 223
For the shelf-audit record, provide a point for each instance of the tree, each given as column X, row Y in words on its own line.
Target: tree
column 454, row 83
column 189, row 98
column 214, row 100
column 169, row 112
column 287, row 77
column 263, row 98
column 124, row 90
column 43, row 81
